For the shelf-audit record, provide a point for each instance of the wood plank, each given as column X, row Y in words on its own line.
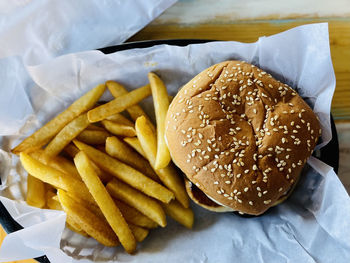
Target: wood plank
column 249, row 31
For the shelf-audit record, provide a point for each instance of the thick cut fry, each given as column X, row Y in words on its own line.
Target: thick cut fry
column 66, row 135
column 119, row 129
column 93, row 136
column 50, row 129
column 161, row 105
column 146, row 205
column 93, row 127
column 126, row 173
column 71, row 150
column 133, row 216
column 54, row 177
column 135, row 144
column 35, row 192
column 139, row 232
column 118, row 118
column 167, row 175
column 118, row 149
column 58, row 162
column 105, row 202
column 119, row 104
column 118, row 90
column 90, row 223
column 54, row 204
column 182, row 215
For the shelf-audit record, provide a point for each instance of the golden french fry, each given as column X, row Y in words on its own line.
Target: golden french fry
column 93, row 127
column 144, row 204
column 126, row 173
column 105, row 202
column 65, row 136
column 55, row 177
column 119, row 129
column 93, row 136
column 90, row 223
column 35, row 192
column 53, row 203
column 119, row 118
column 58, row 162
column 161, row 105
column 135, row 144
column 133, row 216
column 182, row 215
column 50, row 129
column 167, row 175
column 119, row 104
column 118, row 149
column 71, row 150
column 139, row 232
column 118, row 90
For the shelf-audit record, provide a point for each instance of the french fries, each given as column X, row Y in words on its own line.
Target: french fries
column 93, row 127
column 35, row 192
column 93, row 225
column 118, row 149
column 50, row 129
column 58, row 162
column 93, row 136
column 182, row 215
column 133, row 216
column 144, row 204
column 118, row 90
column 54, row 177
column 65, row 136
column 119, row 104
column 118, row 118
column 167, row 175
column 71, row 150
column 140, row 233
column 108, row 191
column 135, row 144
column 105, row 202
column 126, row 173
column 161, row 105
column 119, row 129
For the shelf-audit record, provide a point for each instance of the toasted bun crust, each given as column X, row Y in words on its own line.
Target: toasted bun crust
column 240, row 135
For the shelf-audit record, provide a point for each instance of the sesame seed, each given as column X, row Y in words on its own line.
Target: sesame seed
column 227, row 182
column 250, row 202
column 246, row 189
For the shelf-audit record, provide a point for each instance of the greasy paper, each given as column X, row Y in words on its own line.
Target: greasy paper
column 311, row 226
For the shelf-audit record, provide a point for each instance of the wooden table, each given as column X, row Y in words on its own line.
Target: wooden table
column 198, row 19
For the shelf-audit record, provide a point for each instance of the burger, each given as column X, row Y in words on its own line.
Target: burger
column 241, row 137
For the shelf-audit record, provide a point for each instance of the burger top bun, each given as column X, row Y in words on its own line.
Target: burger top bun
column 240, row 135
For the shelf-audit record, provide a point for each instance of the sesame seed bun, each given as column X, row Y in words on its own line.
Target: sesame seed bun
column 241, row 136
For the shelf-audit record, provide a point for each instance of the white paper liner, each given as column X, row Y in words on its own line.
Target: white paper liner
column 311, row 226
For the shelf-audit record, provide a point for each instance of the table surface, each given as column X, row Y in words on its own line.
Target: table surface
column 229, row 20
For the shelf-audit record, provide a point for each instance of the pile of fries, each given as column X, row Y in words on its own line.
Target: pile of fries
column 112, row 175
